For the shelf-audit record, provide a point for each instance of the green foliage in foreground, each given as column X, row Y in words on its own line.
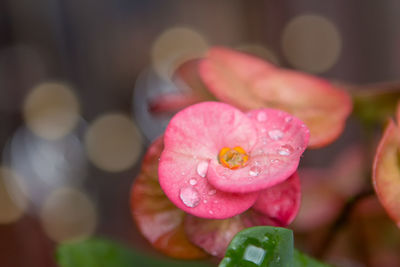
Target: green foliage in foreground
column 266, row 246
column 262, row 246
column 106, row 253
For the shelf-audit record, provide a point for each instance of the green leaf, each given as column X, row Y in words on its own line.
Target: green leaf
column 373, row 104
column 105, row 253
column 302, row 260
column 266, row 246
column 260, row 246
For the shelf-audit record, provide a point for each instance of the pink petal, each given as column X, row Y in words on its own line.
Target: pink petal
column 203, row 129
column 282, row 139
column 172, row 102
column 181, row 181
column 214, row 236
column 323, row 107
column 160, row 222
column 227, row 72
column 192, row 140
column 386, row 172
column 249, row 83
column 282, row 201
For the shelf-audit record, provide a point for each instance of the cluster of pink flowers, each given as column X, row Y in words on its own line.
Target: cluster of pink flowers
column 236, row 160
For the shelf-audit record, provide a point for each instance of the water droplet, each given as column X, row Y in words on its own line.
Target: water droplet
column 254, row 171
column 193, row 181
column 288, row 119
column 254, row 254
column 264, row 140
column 212, row 192
column 261, row 116
column 190, row 196
column 211, row 212
column 215, row 201
column 275, row 160
column 285, row 150
column 275, row 134
column 214, row 252
column 183, row 173
column 202, row 168
column 259, row 162
column 205, row 201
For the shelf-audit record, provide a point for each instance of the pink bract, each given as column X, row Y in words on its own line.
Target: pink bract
column 191, row 175
column 276, row 206
column 249, row 83
column 281, row 202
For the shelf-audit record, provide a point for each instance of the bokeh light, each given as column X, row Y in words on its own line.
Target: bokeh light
column 51, row 110
column 46, row 165
column 311, row 43
column 68, row 215
column 113, row 142
column 12, row 201
column 173, row 47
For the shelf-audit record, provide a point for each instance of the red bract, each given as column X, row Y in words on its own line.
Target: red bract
column 157, row 218
column 386, row 172
column 217, row 160
column 249, row 83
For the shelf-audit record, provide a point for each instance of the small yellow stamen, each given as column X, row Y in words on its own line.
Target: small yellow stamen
column 233, row 158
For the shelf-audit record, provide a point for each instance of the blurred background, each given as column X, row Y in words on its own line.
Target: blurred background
column 76, row 78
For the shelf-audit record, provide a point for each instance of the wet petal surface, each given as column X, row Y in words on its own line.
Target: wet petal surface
column 281, row 141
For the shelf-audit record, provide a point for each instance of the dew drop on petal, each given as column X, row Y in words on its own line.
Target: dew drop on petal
column 193, row 181
column 275, row 134
column 211, row 212
column 205, row 201
column 212, row 192
column 254, row 171
column 202, row 168
column 190, row 196
column 261, row 116
column 288, row 119
column 285, row 150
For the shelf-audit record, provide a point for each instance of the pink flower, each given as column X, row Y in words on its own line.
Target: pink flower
column 180, row 235
column 217, row 159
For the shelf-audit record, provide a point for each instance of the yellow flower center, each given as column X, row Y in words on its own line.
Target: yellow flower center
column 232, row 158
